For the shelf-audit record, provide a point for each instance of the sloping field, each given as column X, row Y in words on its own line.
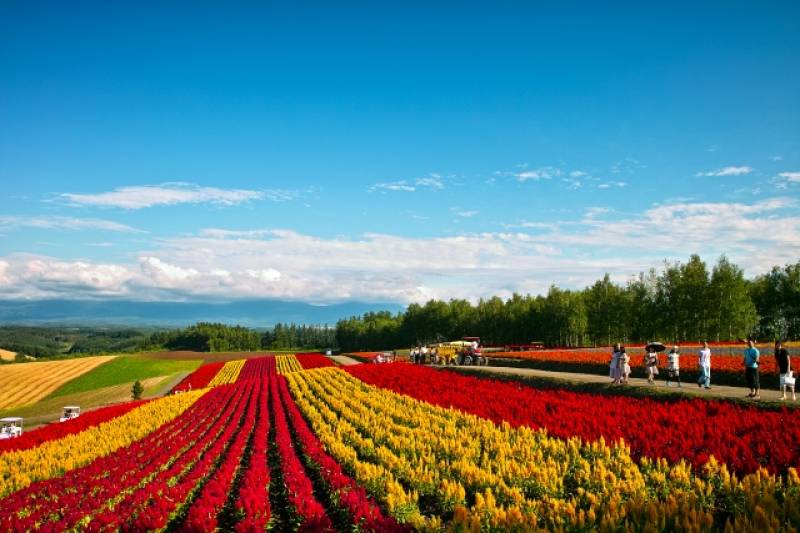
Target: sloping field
column 6, row 355
column 25, row 383
column 125, row 369
column 49, row 409
column 208, row 357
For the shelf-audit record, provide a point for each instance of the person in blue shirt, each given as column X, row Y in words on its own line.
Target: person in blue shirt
column 751, row 369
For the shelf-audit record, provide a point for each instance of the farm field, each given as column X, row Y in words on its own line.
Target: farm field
column 49, row 409
column 26, row 383
column 125, row 369
column 7, row 355
column 295, row 443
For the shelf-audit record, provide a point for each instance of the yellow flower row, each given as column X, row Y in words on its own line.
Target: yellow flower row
column 228, row 373
column 434, row 467
column 287, row 363
column 52, row 459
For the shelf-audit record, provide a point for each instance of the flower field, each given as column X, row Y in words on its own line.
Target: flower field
column 199, row 378
column 744, row 438
column 293, row 444
column 725, row 368
column 57, row 430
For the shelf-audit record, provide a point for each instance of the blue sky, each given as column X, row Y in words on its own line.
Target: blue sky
column 391, row 152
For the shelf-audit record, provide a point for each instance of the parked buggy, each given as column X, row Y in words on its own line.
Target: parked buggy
column 10, row 427
column 70, row 412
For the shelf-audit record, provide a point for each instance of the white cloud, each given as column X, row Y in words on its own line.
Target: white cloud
column 594, row 212
column 776, row 158
column 4, row 277
column 142, row 196
column 28, row 276
column 402, row 185
column 225, row 233
column 165, row 274
column 541, row 173
column 610, row 184
column 63, row 223
column 466, row 214
column 284, row 264
column 578, row 174
column 791, row 177
column 727, row 171
column 269, row 275
column 433, row 181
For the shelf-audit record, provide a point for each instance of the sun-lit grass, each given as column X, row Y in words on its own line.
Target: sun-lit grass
column 125, row 369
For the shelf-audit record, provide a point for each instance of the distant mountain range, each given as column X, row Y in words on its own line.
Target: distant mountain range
column 252, row 313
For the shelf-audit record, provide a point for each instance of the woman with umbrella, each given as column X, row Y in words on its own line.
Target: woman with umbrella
column 651, row 360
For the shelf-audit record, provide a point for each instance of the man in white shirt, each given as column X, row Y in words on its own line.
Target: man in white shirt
column 704, row 366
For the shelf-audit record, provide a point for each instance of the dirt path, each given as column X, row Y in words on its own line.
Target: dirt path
column 344, row 360
column 691, row 388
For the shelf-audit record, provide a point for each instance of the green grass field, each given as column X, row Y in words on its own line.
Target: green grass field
column 125, row 369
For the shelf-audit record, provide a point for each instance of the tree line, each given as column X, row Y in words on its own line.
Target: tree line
column 684, row 301
column 216, row 337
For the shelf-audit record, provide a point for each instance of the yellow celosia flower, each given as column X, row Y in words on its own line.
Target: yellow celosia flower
column 424, row 462
column 228, row 373
column 21, row 468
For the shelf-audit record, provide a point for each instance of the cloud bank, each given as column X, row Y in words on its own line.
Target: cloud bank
column 283, row 264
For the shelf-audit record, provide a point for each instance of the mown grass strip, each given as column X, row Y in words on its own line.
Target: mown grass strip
column 124, row 370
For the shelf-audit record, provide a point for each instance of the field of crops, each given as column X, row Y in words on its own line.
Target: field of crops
column 25, row 383
column 296, row 444
column 125, row 369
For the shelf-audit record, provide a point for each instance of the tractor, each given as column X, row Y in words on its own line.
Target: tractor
column 10, row 427
column 70, row 412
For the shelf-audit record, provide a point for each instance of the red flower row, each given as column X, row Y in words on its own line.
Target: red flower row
column 253, row 501
column 64, row 501
column 161, row 500
column 199, row 378
column 57, row 430
column 310, row 513
column 313, row 360
column 743, row 437
column 202, row 515
column 360, row 507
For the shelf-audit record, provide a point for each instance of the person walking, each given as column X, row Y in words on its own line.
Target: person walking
column 614, row 365
column 704, row 366
column 751, row 355
column 624, row 361
column 650, row 364
column 785, row 369
column 674, row 366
